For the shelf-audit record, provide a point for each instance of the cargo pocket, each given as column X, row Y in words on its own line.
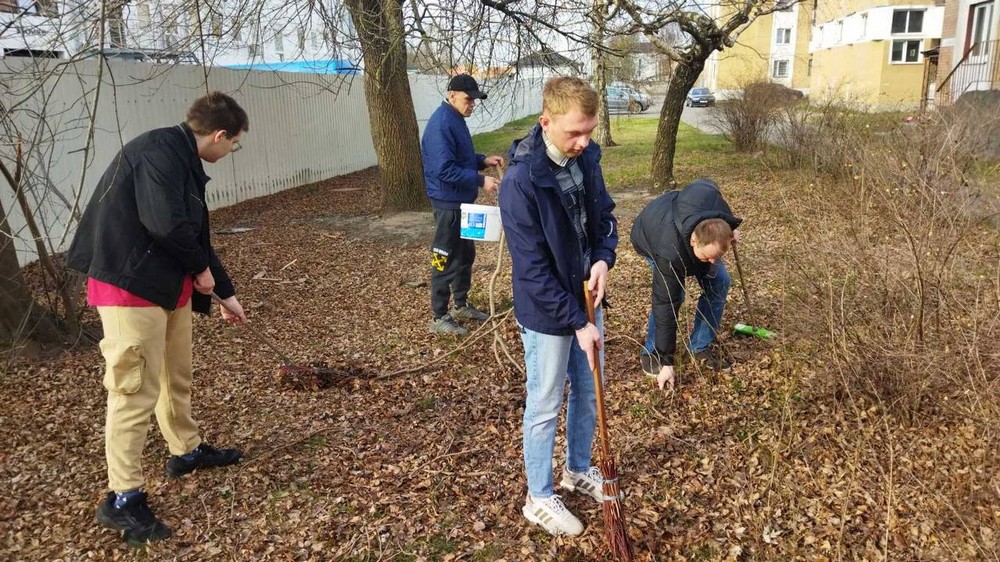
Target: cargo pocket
column 124, row 365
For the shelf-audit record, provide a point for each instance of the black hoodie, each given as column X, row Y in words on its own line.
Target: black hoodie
column 662, row 232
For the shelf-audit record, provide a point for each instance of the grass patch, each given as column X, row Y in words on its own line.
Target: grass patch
column 498, row 141
column 628, row 163
column 426, row 403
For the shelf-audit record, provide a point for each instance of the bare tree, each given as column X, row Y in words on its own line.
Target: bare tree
column 379, row 24
column 705, row 30
column 600, row 57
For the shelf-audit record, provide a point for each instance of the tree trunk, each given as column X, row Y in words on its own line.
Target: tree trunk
column 20, row 316
column 379, row 24
column 685, row 75
column 603, row 135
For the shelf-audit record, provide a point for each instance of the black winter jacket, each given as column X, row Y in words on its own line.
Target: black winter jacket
column 146, row 226
column 662, row 232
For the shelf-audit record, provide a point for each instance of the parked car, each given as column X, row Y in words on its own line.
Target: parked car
column 618, row 99
column 642, row 101
column 700, row 97
column 115, row 53
column 149, row 56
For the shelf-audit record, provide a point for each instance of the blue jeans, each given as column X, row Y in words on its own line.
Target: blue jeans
column 551, row 361
column 714, row 288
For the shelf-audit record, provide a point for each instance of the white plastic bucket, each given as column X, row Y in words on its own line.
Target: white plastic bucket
column 480, row 222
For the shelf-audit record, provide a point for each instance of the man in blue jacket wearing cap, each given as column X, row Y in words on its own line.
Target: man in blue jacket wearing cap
column 451, row 172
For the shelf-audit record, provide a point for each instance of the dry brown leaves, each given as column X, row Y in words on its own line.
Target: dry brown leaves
column 743, row 465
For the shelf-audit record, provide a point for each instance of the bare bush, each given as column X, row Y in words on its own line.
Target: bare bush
column 749, row 119
column 903, row 255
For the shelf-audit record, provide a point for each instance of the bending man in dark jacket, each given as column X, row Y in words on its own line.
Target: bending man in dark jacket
column 451, row 172
column 557, row 216
column 144, row 243
column 685, row 234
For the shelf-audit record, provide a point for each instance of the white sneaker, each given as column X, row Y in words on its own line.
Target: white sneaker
column 590, row 482
column 551, row 515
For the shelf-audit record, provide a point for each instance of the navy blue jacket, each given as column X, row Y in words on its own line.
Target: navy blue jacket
column 544, row 248
column 451, row 165
column 662, row 233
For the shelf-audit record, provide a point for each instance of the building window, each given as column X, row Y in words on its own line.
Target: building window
column 907, row 21
column 143, row 16
column 302, row 40
column 907, row 50
column 809, row 69
column 780, row 69
column 784, row 5
column 784, row 36
column 253, row 50
column 279, row 43
column 981, row 16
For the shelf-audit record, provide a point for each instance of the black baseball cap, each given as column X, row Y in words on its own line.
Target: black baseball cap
column 467, row 84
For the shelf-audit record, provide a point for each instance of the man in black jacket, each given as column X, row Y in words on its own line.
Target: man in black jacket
column 144, row 244
column 685, row 234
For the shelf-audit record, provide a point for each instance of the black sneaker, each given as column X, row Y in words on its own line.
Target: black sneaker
column 135, row 518
column 205, row 456
column 713, row 359
column 650, row 364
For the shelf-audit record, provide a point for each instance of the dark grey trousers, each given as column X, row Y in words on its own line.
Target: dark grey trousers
column 451, row 262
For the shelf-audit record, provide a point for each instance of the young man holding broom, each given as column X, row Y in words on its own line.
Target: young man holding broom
column 557, row 217
column 144, row 242
column 685, row 234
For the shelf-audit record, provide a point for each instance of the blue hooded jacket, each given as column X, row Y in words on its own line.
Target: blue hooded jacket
column 544, row 248
column 451, row 165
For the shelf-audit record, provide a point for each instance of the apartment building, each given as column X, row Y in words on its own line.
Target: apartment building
column 871, row 52
column 968, row 58
column 774, row 48
column 220, row 32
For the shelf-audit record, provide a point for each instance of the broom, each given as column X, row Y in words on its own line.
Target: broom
column 614, row 513
column 751, row 329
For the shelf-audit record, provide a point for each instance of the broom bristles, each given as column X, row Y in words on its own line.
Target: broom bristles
column 614, row 513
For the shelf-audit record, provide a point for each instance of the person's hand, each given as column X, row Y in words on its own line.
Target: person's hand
column 665, row 377
column 598, row 282
column 736, row 235
column 491, row 184
column 232, row 311
column 204, row 282
column 590, row 342
column 493, row 161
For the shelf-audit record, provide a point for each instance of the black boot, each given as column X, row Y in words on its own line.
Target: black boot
column 204, row 456
column 135, row 518
column 714, row 359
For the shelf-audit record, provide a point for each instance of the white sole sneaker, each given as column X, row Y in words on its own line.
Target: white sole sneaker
column 540, row 517
column 582, row 487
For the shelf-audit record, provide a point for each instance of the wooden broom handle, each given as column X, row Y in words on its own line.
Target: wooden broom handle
column 602, row 424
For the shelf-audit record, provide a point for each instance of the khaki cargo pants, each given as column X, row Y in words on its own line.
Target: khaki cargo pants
column 147, row 351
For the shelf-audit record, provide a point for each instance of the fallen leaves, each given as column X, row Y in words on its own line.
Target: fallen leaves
column 427, row 465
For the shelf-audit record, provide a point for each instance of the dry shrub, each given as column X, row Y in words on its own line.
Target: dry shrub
column 901, row 254
column 749, row 119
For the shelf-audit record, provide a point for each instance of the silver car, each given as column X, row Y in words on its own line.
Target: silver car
column 618, row 99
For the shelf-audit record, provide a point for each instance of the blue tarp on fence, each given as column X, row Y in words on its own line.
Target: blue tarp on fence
column 326, row 66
